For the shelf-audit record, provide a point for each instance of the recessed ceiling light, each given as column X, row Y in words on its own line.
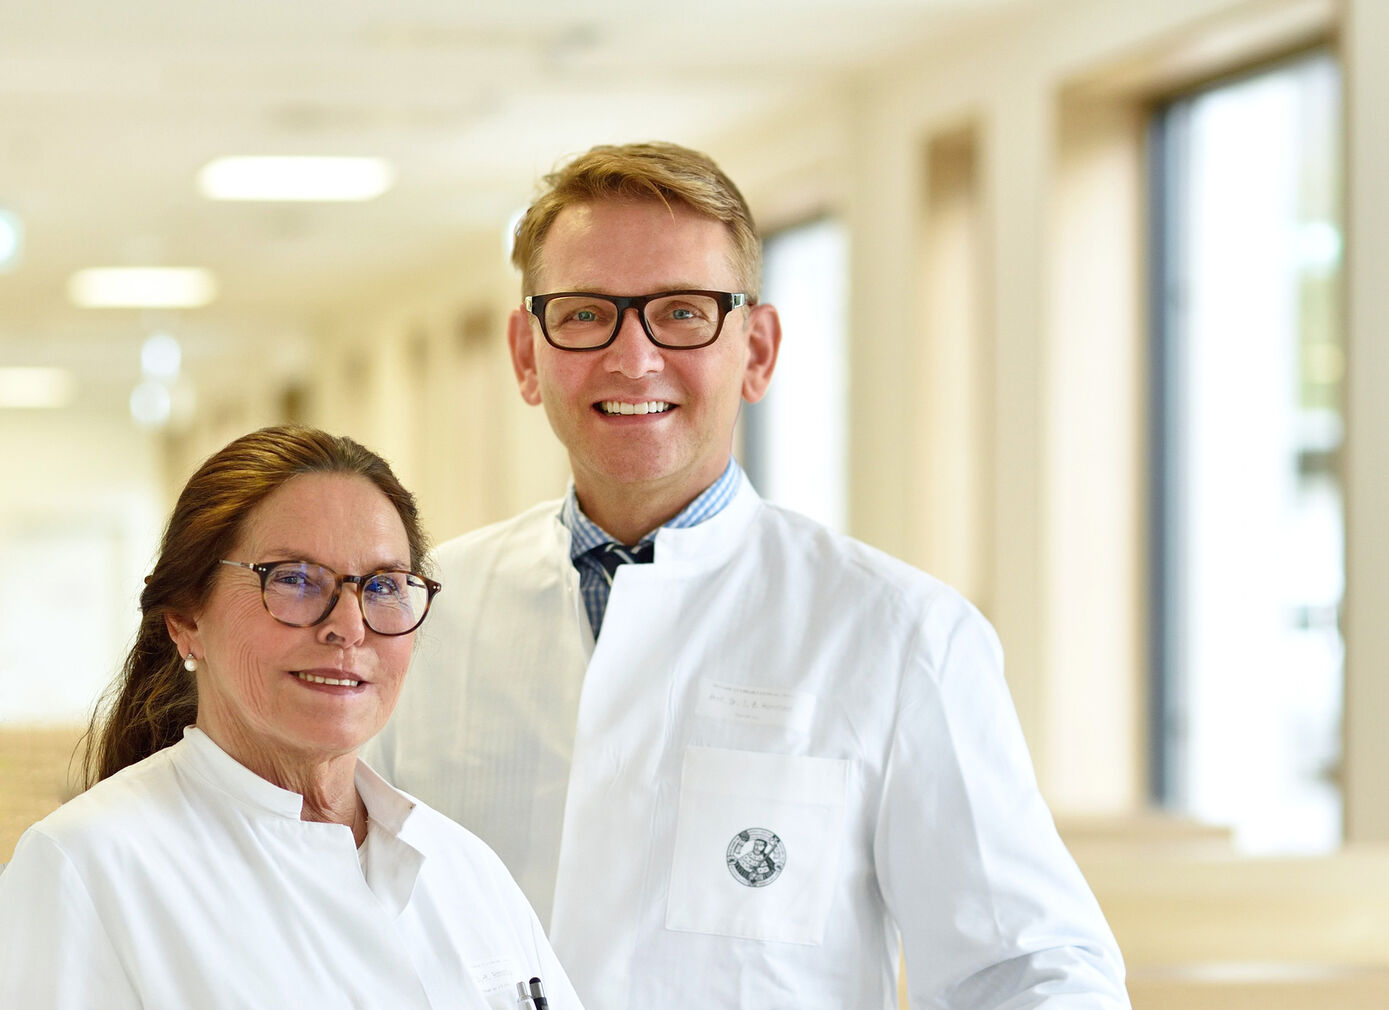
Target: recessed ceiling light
column 161, row 356
column 295, row 178
column 142, row 287
column 151, row 404
column 36, row 387
column 11, row 239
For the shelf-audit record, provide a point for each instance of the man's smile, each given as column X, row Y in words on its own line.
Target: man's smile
column 613, row 407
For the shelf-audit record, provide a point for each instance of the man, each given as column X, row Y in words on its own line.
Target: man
column 620, row 726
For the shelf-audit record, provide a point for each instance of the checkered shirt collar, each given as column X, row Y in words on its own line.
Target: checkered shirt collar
column 585, row 534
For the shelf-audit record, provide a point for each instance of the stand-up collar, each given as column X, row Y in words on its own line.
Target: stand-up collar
column 211, row 763
column 394, row 863
column 586, row 534
column 696, row 548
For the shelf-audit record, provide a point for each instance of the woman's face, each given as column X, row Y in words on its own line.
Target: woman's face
column 261, row 694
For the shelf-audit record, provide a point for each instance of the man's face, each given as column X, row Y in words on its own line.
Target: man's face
column 691, row 397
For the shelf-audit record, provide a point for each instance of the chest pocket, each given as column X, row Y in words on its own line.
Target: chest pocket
column 757, row 844
column 496, row 980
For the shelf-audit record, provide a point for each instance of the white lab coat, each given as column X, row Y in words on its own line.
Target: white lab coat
column 188, row 881
column 764, row 676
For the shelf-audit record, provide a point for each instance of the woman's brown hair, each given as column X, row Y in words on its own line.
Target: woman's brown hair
column 154, row 697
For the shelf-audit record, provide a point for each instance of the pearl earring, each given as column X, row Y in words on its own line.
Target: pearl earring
column 190, row 664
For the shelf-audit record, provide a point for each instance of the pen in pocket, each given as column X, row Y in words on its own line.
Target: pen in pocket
column 531, row 996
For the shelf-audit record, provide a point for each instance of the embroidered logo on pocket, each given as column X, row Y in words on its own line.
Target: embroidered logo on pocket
column 755, row 857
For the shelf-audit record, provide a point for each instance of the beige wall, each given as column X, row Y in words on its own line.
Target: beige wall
column 79, row 515
column 434, row 391
column 1365, row 43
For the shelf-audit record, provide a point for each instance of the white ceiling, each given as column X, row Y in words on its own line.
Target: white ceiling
column 107, row 111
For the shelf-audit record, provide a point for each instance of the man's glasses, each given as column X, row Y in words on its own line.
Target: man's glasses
column 676, row 320
column 302, row 594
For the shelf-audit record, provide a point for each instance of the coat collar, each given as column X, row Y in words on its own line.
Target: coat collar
column 685, row 550
column 394, row 862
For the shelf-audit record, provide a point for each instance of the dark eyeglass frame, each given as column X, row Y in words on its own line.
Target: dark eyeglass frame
column 264, row 568
column 726, row 301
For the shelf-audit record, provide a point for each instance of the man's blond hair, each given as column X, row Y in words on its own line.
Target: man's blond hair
column 651, row 171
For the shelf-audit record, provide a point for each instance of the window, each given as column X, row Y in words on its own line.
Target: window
column 1249, row 527
column 794, row 439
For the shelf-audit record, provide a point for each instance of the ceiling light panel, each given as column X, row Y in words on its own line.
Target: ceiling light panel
column 295, row 179
column 142, row 287
column 36, row 387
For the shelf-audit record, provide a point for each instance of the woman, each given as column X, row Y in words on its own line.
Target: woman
column 234, row 852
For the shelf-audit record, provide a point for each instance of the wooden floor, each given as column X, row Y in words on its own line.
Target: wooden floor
column 38, row 772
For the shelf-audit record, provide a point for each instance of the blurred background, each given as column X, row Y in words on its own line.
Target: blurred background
column 1083, row 313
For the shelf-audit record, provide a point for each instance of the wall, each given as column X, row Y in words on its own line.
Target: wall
column 80, row 515
column 1365, row 43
